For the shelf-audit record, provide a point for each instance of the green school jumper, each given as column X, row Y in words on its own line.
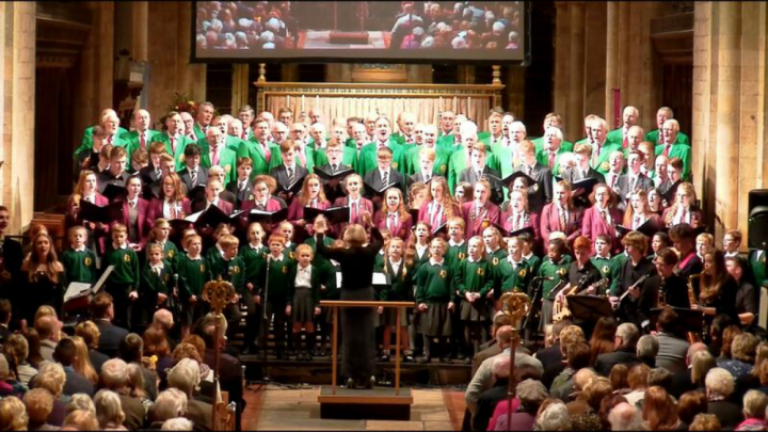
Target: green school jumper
column 509, row 278
column 233, row 271
column 126, row 267
column 79, row 266
column 555, row 270
column 254, row 260
column 281, row 278
column 193, row 275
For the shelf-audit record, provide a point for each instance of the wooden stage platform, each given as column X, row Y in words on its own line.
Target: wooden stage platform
column 378, row 403
column 318, row 372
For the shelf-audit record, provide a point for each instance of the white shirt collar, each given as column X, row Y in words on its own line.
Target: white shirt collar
column 156, row 266
column 122, row 246
column 454, row 244
column 528, row 257
column 80, row 249
column 278, row 258
column 254, row 247
column 195, row 258
column 432, row 262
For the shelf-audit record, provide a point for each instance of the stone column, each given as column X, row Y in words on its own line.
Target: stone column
column 191, row 77
column 728, row 114
column 240, row 86
column 612, row 58
column 515, row 89
column 562, row 57
column 139, row 37
column 575, row 117
column 595, row 40
column 17, row 111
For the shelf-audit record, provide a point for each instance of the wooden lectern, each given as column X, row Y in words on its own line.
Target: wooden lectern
column 377, row 403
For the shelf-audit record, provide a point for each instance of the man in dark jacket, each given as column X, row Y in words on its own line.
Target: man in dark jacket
column 625, row 341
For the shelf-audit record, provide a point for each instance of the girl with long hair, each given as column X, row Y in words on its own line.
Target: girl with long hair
column 45, row 277
column 639, row 212
column 172, row 204
column 683, row 210
column 441, row 207
column 393, row 216
column 311, row 195
column 87, row 190
column 398, row 264
column 602, row 341
column 82, row 363
column 717, row 289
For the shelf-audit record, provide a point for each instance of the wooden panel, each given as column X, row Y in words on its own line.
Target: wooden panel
column 672, row 38
column 677, row 93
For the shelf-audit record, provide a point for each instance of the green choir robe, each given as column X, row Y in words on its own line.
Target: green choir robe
column 446, row 141
column 681, row 151
column 181, row 145
column 556, row 270
column 458, row 163
column 433, row 284
column 233, row 142
column 193, row 275
column 473, row 277
column 485, row 138
column 603, row 166
column 605, row 266
column 79, row 266
column 654, row 137
column 368, row 153
column 252, row 149
column 198, row 130
column 615, row 136
column 509, row 278
column 227, row 160
column 413, row 166
column 86, row 144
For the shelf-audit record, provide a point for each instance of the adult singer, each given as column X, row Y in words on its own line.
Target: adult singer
column 358, row 346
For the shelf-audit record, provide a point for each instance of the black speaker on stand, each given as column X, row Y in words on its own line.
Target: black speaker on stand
column 757, row 227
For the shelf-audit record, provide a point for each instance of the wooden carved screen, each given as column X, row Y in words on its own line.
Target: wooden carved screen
column 336, row 100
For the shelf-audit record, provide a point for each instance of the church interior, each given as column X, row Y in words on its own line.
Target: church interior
column 375, row 215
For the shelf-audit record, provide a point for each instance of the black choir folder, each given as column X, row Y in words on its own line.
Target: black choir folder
column 267, row 217
column 335, row 215
column 106, row 214
column 293, row 188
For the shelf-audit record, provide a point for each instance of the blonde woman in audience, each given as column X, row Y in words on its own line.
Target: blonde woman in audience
column 39, row 404
column 754, row 404
column 80, row 420
column 80, row 402
column 18, row 346
column 82, row 363
column 109, row 411
column 13, row 414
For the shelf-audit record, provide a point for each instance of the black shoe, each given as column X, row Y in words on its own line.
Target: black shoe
column 408, row 359
column 424, row 360
column 384, row 358
column 350, row 383
column 370, row 383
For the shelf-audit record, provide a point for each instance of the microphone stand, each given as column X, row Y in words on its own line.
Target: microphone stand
column 534, row 303
column 265, row 318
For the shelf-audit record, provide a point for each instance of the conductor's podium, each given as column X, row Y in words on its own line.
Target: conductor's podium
column 378, row 403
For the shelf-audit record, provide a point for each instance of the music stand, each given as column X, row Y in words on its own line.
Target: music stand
column 589, row 308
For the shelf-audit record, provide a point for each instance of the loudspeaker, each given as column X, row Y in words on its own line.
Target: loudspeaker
column 758, row 219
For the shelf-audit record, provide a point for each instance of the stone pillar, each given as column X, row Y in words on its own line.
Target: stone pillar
column 612, row 58
column 562, row 57
column 575, row 117
column 192, row 77
column 240, row 86
column 139, row 37
column 728, row 115
column 17, row 111
column 595, row 40
column 515, row 89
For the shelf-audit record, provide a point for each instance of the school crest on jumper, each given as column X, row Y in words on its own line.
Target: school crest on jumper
column 285, row 270
column 461, row 256
column 443, row 168
column 88, row 261
column 521, row 273
column 495, row 260
column 228, row 168
column 170, row 254
column 562, row 272
column 235, row 269
column 480, row 271
column 166, row 277
column 394, row 165
column 606, row 269
column 127, row 258
column 292, row 255
column 443, row 274
column 605, row 166
column 202, row 268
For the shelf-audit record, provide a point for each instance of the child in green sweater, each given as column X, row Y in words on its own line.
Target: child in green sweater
column 435, row 299
column 123, row 282
column 156, row 282
column 275, row 289
column 399, row 267
column 79, row 261
column 194, row 273
column 473, row 282
column 230, row 267
column 253, row 255
column 159, row 234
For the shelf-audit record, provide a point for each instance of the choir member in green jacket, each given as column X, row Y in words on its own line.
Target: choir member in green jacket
column 672, row 149
column 142, row 136
column 656, row 136
column 110, row 123
column 305, row 304
column 174, row 139
column 203, row 119
column 448, row 120
column 457, row 246
column 156, row 284
column 159, row 234
column 630, row 117
column 229, row 267
column 555, row 267
column 260, row 149
column 512, row 273
column 460, row 158
column 194, row 273
column 588, row 139
column 436, row 300
column 406, row 124
column 602, row 259
column 473, row 282
column 276, row 290
column 79, row 261
column 382, row 138
column 253, row 254
column 603, row 149
column 427, row 159
column 123, row 282
column 551, row 120
column 553, row 147
column 399, row 268
column 495, row 248
column 495, row 133
column 214, row 152
column 533, row 261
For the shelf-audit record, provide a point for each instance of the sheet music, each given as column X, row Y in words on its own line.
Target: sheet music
column 194, row 217
column 338, row 279
column 76, row 290
column 102, row 280
column 380, row 279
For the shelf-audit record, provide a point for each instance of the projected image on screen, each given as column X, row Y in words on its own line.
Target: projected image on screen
column 382, row 30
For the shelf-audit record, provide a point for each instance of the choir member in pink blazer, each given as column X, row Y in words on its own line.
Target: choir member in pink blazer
column 172, row 203
column 361, row 209
column 601, row 218
column 479, row 212
column 393, row 216
column 550, row 215
column 311, row 195
column 518, row 216
column 441, row 207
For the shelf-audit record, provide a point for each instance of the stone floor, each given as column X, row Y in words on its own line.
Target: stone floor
column 276, row 408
